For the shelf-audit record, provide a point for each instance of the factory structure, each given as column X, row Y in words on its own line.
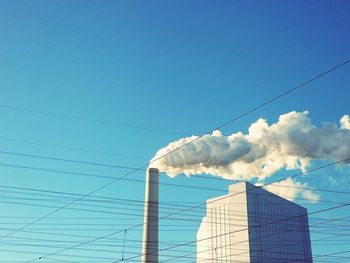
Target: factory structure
column 252, row 225
column 248, row 225
column 150, row 226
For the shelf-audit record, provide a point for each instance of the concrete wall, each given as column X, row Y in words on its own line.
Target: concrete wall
column 225, row 228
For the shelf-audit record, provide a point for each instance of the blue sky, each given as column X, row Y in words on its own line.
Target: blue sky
column 181, row 66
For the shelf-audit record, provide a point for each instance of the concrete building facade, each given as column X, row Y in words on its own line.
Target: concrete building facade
column 252, row 225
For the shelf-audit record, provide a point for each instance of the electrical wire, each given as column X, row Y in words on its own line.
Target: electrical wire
column 145, row 165
column 176, row 213
column 65, row 116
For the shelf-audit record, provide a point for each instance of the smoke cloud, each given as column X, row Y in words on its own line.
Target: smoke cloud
column 290, row 189
column 290, row 143
column 345, row 122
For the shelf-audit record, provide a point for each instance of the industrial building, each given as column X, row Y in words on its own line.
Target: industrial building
column 252, row 225
column 151, row 214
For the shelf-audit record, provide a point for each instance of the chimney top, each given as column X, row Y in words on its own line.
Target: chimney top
column 153, row 170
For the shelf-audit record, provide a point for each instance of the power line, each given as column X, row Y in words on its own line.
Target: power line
column 65, row 197
column 192, row 141
column 70, row 148
column 295, row 228
column 230, row 195
column 181, row 211
column 104, row 176
column 112, row 123
column 243, row 229
column 71, row 161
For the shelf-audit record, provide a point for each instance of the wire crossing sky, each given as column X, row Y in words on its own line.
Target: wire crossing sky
column 90, row 91
column 151, row 163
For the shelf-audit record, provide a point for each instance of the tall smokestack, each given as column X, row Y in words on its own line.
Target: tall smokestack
column 150, row 227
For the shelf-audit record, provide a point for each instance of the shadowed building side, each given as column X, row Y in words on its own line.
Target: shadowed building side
column 150, row 227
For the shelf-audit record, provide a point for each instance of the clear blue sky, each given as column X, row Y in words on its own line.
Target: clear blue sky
column 181, row 66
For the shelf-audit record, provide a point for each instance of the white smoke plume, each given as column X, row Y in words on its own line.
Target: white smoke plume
column 291, row 143
column 290, row 190
column 345, row 122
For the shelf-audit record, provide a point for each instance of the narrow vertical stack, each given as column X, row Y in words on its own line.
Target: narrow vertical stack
column 150, row 227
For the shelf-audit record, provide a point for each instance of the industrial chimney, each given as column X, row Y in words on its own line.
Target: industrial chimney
column 150, row 227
